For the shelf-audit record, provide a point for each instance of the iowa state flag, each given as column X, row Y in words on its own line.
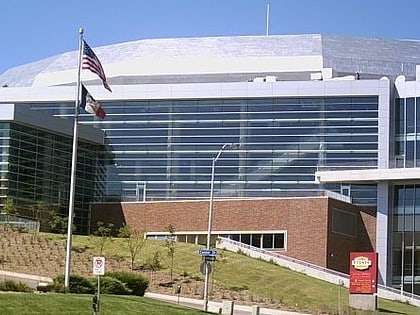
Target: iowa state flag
column 90, row 105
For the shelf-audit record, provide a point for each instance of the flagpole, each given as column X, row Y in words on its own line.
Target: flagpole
column 73, row 168
column 267, row 19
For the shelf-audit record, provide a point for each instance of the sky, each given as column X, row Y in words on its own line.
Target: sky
column 38, row 29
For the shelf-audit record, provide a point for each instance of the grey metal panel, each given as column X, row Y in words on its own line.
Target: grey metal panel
column 384, row 125
column 235, row 46
column 21, row 114
column 371, row 57
column 24, row 75
column 201, row 90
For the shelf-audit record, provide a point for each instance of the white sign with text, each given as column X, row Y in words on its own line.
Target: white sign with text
column 98, row 266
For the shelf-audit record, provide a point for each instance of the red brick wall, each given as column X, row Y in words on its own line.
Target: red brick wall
column 340, row 246
column 306, row 221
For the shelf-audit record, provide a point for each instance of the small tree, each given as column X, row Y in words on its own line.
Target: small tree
column 170, row 244
column 154, row 264
column 40, row 212
column 103, row 235
column 57, row 223
column 9, row 209
column 37, row 210
column 134, row 239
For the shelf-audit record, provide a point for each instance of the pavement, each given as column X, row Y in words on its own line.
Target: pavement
column 215, row 307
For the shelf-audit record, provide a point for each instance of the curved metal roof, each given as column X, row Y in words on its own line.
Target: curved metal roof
column 231, row 58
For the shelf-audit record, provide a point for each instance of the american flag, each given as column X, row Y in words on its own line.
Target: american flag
column 92, row 63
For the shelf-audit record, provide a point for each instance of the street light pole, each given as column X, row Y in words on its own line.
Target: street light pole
column 210, row 219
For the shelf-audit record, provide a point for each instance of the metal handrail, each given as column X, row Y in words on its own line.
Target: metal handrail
column 337, row 277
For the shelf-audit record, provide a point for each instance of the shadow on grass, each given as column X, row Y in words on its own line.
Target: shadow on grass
column 136, row 299
column 383, row 310
column 144, row 300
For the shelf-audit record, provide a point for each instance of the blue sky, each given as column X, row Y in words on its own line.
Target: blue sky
column 37, row 29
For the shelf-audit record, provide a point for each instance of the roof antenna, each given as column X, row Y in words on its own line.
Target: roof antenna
column 267, row 19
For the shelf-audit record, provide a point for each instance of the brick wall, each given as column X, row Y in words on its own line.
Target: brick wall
column 306, row 220
column 340, row 246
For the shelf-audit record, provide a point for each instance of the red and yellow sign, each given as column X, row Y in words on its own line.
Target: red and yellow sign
column 363, row 272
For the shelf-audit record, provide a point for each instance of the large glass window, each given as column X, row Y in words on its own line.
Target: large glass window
column 267, row 241
column 407, row 132
column 36, row 169
column 406, row 238
column 169, row 145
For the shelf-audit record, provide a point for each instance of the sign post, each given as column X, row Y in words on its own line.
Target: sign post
column 207, row 252
column 98, row 270
column 363, row 280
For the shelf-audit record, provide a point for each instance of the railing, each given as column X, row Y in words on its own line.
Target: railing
column 19, row 222
column 286, row 261
column 338, row 196
column 348, row 166
column 403, row 296
column 312, row 270
column 228, row 194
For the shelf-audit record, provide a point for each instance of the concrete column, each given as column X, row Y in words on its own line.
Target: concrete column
column 383, row 234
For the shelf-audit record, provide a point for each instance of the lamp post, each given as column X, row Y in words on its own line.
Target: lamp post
column 210, row 218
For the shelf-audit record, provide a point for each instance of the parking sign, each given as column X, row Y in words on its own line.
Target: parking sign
column 98, row 266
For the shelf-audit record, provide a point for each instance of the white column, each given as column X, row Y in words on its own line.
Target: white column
column 383, row 234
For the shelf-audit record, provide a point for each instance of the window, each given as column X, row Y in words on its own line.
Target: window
column 267, row 241
column 344, row 222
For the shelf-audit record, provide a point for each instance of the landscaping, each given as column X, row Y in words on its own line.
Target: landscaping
column 235, row 276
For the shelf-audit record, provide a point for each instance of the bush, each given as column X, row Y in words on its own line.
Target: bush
column 10, row 285
column 45, row 288
column 135, row 282
column 154, row 263
column 110, row 285
column 77, row 284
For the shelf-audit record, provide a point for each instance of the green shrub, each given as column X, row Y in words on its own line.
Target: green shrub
column 154, row 263
column 16, row 286
column 111, row 285
column 46, row 288
column 77, row 284
column 79, row 249
column 240, row 288
column 135, row 282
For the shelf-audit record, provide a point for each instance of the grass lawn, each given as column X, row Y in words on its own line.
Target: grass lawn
column 77, row 304
column 233, row 272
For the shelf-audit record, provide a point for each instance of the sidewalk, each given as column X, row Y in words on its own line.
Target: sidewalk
column 214, row 307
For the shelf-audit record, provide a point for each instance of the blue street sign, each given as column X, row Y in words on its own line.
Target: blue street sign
column 207, row 252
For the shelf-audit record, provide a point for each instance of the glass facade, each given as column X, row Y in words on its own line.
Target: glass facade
column 35, row 167
column 406, row 238
column 407, row 132
column 406, row 206
column 163, row 149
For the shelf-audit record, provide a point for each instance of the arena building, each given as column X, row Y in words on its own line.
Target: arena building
column 315, row 137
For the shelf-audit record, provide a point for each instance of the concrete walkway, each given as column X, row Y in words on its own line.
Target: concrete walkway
column 214, row 307
column 32, row 281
